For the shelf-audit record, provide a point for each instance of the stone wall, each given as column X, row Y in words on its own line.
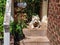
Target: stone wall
column 54, row 21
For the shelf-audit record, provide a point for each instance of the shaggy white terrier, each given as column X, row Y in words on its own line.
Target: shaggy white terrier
column 35, row 23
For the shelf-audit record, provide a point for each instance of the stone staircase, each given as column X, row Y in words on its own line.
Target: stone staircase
column 36, row 36
column 35, row 41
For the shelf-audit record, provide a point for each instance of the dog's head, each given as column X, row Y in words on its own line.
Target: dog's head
column 35, row 18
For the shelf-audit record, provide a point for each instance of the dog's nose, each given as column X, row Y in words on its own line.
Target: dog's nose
column 35, row 22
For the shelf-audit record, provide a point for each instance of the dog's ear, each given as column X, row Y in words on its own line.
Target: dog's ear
column 38, row 17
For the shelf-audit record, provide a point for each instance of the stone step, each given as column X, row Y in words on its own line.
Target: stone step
column 35, row 41
column 34, row 32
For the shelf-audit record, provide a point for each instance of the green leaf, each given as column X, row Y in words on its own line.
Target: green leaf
column 2, row 10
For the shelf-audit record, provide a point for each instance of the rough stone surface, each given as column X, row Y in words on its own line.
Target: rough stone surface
column 34, row 32
column 35, row 41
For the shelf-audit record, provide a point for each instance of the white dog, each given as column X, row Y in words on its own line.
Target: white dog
column 35, row 23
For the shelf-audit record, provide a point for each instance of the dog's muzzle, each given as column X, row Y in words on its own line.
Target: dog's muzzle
column 36, row 24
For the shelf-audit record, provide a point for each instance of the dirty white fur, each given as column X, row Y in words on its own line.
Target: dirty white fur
column 35, row 19
column 44, row 19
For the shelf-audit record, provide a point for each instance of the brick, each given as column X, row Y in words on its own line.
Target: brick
column 58, row 5
column 54, row 22
column 57, row 1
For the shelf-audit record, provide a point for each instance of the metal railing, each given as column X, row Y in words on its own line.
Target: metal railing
column 7, row 17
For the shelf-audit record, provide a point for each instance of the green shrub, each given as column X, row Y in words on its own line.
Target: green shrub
column 2, row 11
column 16, row 30
column 17, row 27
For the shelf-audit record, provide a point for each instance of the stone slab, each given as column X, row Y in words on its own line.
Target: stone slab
column 34, row 32
column 35, row 41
